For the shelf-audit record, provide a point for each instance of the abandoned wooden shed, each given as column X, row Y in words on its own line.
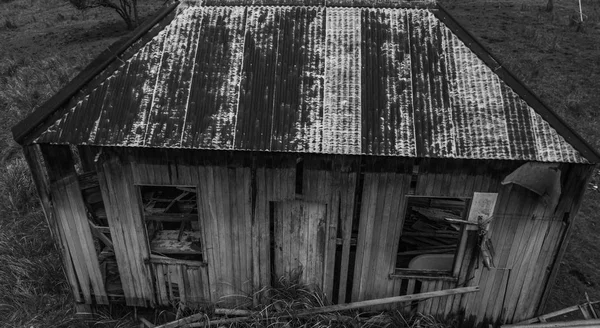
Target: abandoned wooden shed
column 346, row 144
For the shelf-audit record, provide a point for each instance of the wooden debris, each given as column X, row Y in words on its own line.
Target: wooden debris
column 147, row 323
column 184, row 321
column 190, row 321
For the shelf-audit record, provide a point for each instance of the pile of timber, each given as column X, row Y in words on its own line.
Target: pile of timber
column 203, row 319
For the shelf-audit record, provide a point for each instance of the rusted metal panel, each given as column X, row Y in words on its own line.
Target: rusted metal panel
column 339, row 80
column 342, row 103
column 387, row 108
column 213, row 102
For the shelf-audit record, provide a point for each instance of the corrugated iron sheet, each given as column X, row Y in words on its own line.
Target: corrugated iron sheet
column 374, row 81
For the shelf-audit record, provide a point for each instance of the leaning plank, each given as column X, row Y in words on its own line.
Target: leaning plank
column 554, row 314
column 325, row 309
column 387, row 300
column 575, row 323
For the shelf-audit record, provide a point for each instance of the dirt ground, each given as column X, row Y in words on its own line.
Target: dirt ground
column 558, row 58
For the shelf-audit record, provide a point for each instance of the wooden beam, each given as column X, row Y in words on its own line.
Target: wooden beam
column 554, row 314
column 575, row 323
column 333, row 308
column 98, row 233
column 171, row 217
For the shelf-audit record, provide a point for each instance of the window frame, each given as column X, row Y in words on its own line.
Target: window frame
column 451, row 275
column 167, row 257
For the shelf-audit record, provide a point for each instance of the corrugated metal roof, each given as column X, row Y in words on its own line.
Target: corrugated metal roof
column 373, row 81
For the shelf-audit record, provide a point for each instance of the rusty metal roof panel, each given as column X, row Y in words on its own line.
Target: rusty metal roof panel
column 336, row 80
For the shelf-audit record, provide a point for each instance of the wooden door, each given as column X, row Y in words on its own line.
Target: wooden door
column 299, row 240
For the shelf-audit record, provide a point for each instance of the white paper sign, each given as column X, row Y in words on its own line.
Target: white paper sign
column 483, row 205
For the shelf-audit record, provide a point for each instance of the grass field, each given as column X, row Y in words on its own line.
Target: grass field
column 45, row 43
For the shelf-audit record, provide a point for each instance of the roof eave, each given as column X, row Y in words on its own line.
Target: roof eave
column 571, row 136
column 34, row 121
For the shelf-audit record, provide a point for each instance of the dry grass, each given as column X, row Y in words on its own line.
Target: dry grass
column 545, row 49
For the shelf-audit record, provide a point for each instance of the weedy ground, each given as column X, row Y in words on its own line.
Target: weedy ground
column 44, row 43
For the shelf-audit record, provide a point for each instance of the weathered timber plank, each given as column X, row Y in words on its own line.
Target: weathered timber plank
column 39, row 174
column 84, row 234
column 347, row 198
column 125, row 220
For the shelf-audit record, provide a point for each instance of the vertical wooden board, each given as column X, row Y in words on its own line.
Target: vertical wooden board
column 377, row 280
column 140, row 246
column 424, row 305
column 84, row 235
column 448, row 301
column 59, row 198
column 169, row 278
column 210, row 230
column 278, row 239
column 333, row 181
column 39, row 174
column 261, row 253
column 364, row 241
column 515, row 259
column 319, row 212
column 347, row 197
column 204, row 282
column 116, row 233
column 241, row 222
column 520, row 268
column 221, row 234
column 502, row 231
column 529, row 300
column 435, row 302
column 227, row 242
column 397, row 214
column 161, row 286
column 531, row 271
column 249, row 250
column 231, row 203
column 549, row 251
column 190, row 282
column 181, row 284
column 490, row 279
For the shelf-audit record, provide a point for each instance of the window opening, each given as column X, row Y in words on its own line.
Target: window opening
column 171, row 217
column 428, row 242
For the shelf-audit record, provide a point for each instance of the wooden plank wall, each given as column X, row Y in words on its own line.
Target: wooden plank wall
column 124, row 214
column 380, row 226
column 526, row 234
column 224, row 203
column 72, row 225
column 335, row 189
column 33, row 155
column 180, row 283
column 299, row 240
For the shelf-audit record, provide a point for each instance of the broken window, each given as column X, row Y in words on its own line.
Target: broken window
column 171, row 217
column 428, row 242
